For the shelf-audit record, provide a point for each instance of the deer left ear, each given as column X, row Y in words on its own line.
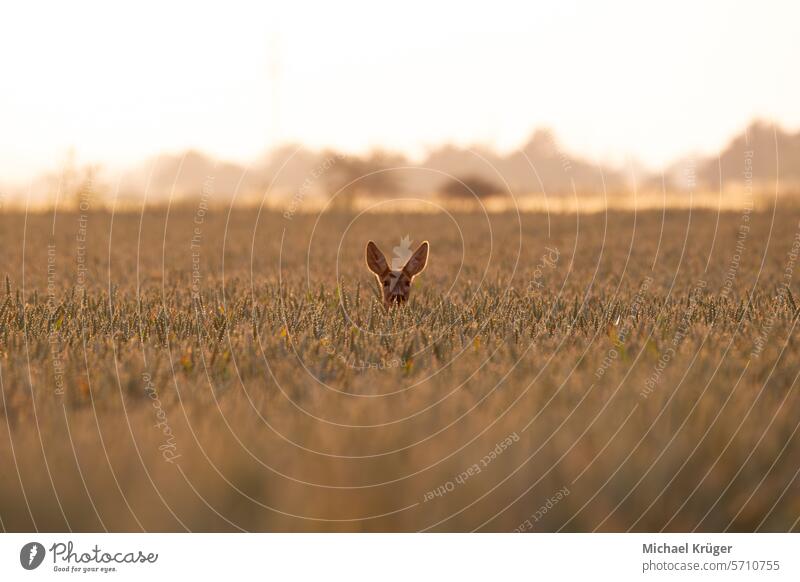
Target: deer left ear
column 376, row 261
column 416, row 264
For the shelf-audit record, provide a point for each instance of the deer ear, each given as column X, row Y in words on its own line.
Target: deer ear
column 416, row 264
column 375, row 260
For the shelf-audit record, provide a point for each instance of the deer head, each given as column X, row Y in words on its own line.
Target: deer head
column 396, row 285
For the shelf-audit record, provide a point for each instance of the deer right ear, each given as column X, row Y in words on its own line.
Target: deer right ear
column 416, row 264
column 376, row 261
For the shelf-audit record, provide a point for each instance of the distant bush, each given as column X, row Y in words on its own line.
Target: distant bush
column 354, row 176
column 469, row 187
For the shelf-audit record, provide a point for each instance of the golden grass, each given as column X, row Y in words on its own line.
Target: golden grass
column 649, row 372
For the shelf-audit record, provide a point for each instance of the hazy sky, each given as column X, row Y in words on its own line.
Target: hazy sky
column 612, row 79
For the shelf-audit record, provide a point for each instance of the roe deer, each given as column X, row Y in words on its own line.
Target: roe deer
column 396, row 284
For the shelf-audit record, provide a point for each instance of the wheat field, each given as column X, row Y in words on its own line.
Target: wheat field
column 208, row 369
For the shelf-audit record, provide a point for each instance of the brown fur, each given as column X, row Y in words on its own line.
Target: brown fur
column 396, row 285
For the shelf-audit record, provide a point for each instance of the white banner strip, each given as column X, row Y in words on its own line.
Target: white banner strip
column 401, row 557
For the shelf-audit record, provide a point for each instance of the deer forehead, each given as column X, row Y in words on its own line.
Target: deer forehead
column 396, row 276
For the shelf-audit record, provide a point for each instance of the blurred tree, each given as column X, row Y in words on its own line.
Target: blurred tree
column 354, row 176
column 469, row 187
column 73, row 185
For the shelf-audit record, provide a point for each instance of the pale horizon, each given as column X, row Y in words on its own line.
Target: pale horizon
column 620, row 84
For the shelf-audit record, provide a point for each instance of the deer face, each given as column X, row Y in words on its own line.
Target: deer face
column 396, row 285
